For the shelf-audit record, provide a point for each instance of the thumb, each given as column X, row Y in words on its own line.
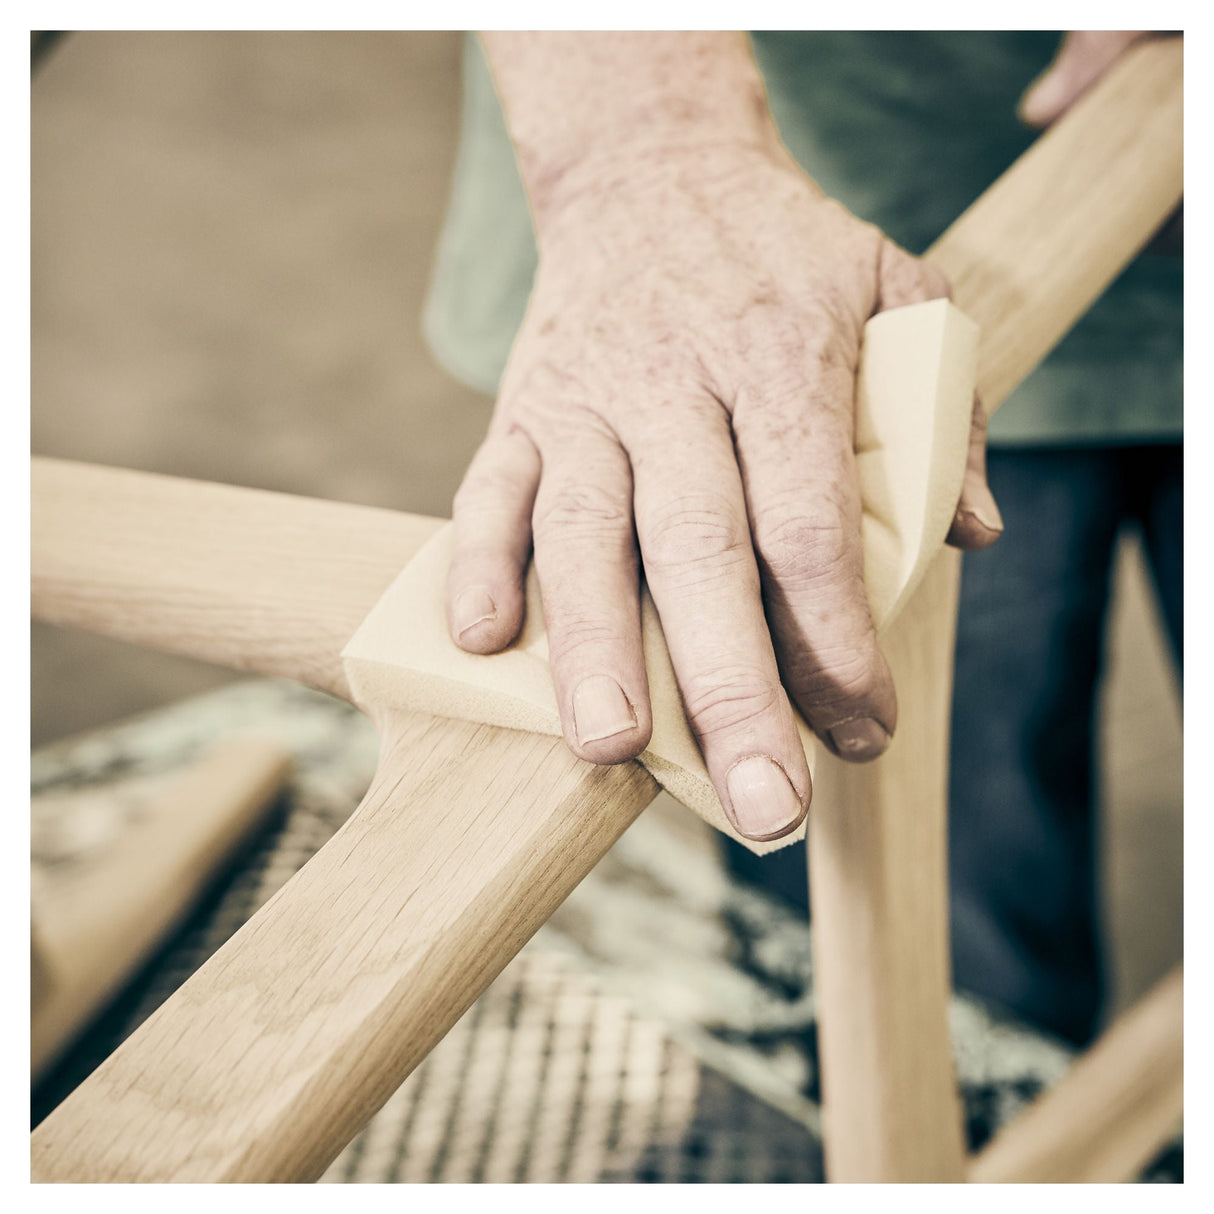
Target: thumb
column 1083, row 57
column 977, row 523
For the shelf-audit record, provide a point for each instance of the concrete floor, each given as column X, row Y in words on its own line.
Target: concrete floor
column 232, row 235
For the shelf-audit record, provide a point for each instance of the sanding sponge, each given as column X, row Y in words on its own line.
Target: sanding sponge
column 914, row 401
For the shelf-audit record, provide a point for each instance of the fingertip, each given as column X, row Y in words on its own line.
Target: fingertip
column 761, row 799
column 622, row 748
column 977, row 523
column 483, row 620
column 969, row 534
column 859, row 741
column 605, row 724
column 1043, row 101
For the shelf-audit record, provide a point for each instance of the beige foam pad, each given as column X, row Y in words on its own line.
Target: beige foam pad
column 914, row 399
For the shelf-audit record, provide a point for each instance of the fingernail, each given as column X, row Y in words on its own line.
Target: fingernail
column 473, row 605
column 986, row 512
column 860, row 739
column 600, row 709
column 762, row 802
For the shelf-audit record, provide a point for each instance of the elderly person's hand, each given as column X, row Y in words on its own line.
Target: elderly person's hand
column 681, row 397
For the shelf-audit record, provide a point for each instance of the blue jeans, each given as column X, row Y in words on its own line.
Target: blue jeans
column 1022, row 822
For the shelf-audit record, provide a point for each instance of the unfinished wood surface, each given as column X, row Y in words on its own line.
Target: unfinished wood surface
column 98, row 923
column 1105, row 1119
column 268, row 1061
column 257, row 581
column 482, row 820
column 1026, row 260
column 878, row 883
column 915, row 394
column 1033, row 253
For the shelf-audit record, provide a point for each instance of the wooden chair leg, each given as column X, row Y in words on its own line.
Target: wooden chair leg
column 878, row 890
column 1025, row 261
column 267, row 1061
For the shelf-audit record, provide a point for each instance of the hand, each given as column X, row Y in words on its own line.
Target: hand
column 684, row 383
column 1083, row 57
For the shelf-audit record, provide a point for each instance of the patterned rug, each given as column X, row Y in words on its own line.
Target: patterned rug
column 659, row 1028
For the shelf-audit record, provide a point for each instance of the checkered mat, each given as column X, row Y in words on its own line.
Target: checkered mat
column 659, row 1028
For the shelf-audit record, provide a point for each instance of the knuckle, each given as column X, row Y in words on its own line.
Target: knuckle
column 693, row 529
column 842, row 679
column 728, row 699
column 797, row 549
column 910, row 279
column 935, row 283
column 580, row 509
column 571, row 634
column 485, row 487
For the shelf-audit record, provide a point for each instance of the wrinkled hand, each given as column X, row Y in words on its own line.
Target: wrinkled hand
column 684, row 384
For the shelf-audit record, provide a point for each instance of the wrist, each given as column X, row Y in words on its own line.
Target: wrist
column 599, row 110
column 635, row 175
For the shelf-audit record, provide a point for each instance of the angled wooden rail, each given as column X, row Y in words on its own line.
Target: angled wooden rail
column 111, row 910
column 268, row 1060
column 1110, row 1112
column 1025, row 261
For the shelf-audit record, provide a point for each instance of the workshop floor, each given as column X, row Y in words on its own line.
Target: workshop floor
column 231, row 240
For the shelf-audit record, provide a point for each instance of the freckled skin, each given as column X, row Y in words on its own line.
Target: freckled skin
column 680, row 398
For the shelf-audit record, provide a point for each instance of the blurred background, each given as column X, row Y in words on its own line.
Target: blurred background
column 232, row 235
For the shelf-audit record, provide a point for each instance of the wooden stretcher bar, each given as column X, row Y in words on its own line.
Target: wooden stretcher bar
column 268, row 1060
column 1109, row 1113
column 112, row 910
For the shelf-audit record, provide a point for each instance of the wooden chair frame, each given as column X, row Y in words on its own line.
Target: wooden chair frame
column 266, row 1062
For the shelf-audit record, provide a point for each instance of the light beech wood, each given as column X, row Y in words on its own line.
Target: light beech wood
column 103, row 919
column 1105, row 1119
column 878, row 880
column 1036, row 249
column 914, row 408
column 1026, row 260
column 257, row 581
column 281, row 1047
column 269, row 1059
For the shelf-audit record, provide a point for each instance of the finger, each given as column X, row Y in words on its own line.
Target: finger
column 1083, row 57
column 586, row 558
column 977, row 523
column 492, row 543
column 701, row 571
column 903, row 280
column 795, row 448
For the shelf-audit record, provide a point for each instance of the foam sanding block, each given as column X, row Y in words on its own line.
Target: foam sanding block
column 914, row 400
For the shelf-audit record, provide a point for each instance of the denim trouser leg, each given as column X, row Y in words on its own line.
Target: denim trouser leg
column 1022, row 827
column 1022, row 844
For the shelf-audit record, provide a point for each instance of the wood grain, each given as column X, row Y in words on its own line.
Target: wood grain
column 1037, row 248
column 1025, row 261
column 257, row 581
column 98, row 923
column 878, row 880
column 1105, row 1119
column 266, row 1062
column 272, row 1056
